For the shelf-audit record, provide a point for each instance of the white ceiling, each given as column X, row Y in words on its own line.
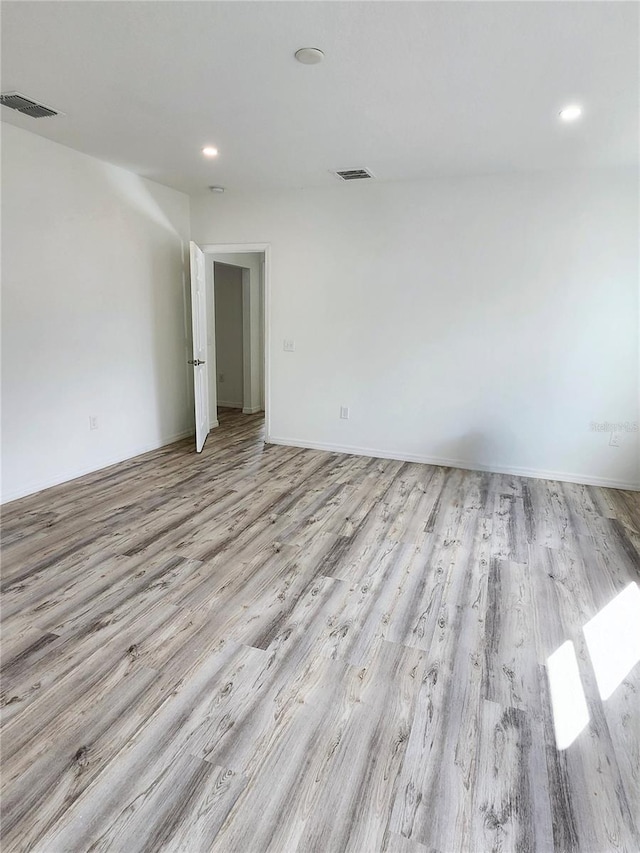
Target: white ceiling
column 407, row 89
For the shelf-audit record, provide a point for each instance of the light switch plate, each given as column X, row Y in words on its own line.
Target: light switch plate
column 288, row 345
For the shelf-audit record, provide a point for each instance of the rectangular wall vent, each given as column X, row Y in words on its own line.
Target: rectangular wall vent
column 353, row 174
column 26, row 106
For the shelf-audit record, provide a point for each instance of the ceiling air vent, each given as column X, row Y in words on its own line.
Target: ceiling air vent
column 26, row 106
column 353, row 174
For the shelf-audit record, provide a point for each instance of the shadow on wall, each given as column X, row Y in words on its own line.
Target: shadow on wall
column 166, row 343
column 476, row 448
column 146, row 198
column 171, row 370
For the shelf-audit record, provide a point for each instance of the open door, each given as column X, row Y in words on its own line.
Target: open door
column 199, row 360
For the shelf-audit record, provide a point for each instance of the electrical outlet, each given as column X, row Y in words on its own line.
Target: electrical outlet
column 344, row 413
column 288, row 345
column 93, row 422
column 614, row 439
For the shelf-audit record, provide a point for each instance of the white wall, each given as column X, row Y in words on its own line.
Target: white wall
column 228, row 335
column 93, row 313
column 481, row 322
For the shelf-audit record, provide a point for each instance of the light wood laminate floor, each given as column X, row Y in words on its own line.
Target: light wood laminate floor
column 265, row 648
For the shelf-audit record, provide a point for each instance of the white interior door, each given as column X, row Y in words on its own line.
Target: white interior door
column 199, row 360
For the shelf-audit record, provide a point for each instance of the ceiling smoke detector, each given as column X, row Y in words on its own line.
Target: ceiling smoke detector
column 309, row 55
column 27, row 106
column 352, row 174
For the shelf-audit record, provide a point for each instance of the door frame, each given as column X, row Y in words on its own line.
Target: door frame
column 240, row 248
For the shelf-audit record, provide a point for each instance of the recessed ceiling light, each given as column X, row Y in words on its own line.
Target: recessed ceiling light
column 571, row 113
column 309, row 55
column 210, row 151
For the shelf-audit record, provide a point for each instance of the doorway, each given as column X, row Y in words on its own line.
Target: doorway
column 237, row 321
column 232, row 363
column 253, row 263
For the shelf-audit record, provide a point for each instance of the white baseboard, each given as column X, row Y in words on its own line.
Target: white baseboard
column 105, row 462
column 214, row 424
column 246, row 410
column 562, row 476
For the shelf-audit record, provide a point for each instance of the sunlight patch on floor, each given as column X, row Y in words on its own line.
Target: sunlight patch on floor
column 613, row 639
column 570, row 714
